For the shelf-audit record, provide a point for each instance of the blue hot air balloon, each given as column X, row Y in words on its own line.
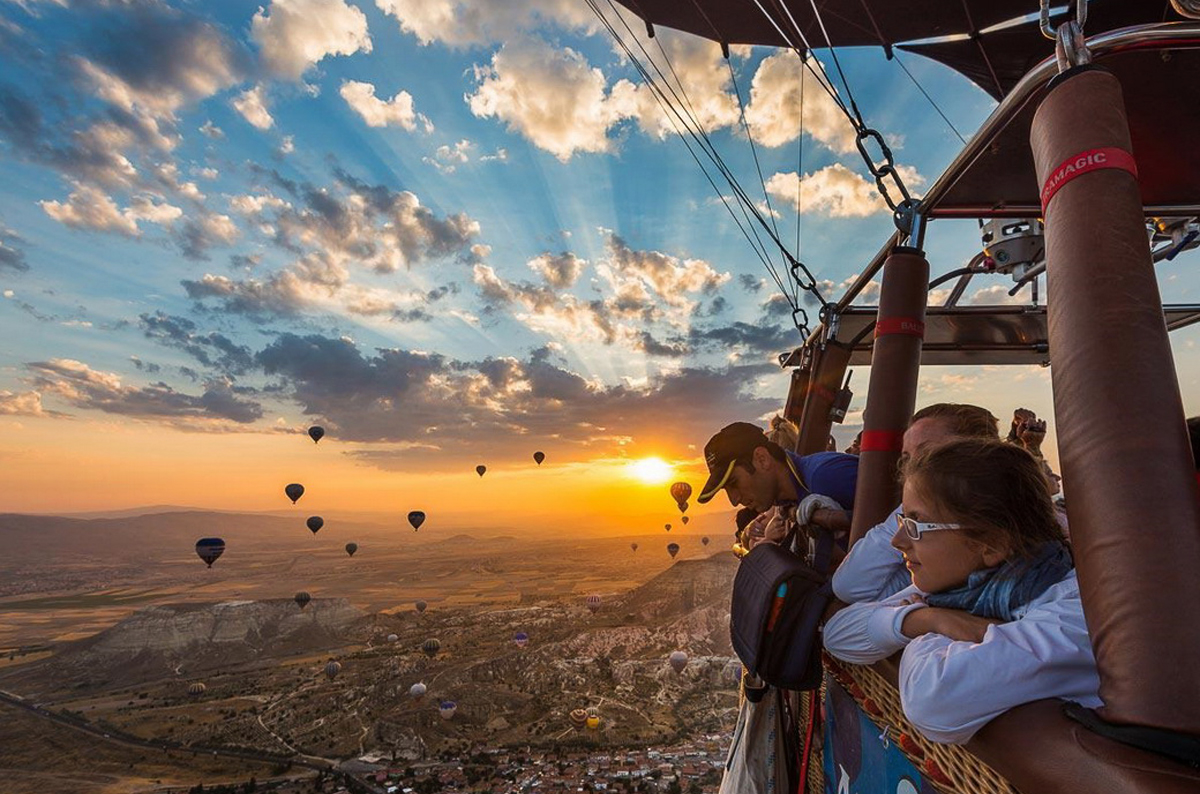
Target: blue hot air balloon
column 447, row 709
column 210, row 549
column 521, row 639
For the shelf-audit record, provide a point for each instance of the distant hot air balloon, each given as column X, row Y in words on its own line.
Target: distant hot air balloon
column 684, row 519
column 521, row 639
column 681, row 492
column 416, row 518
column 332, row 669
column 417, row 691
column 314, row 523
column 593, row 711
column 538, row 457
column 351, row 548
column 447, row 709
column 672, row 549
column 302, row 598
column 593, row 603
column 480, row 469
column 197, row 689
column 579, row 717
column 294, row 491
column 678, row 660
column 633, row 546
column 593, row 723
column 431, row 647
column 668, row 526
column 393, row 637
column 421, row 606
column 210, row 549
column 704, row 540
column 316, row 433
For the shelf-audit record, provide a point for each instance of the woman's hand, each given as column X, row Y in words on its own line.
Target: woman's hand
column 956, row 624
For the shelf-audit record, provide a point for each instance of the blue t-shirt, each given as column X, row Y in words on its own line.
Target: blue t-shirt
column 832, row 474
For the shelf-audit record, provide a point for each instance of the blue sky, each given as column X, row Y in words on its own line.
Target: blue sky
column 394, row 216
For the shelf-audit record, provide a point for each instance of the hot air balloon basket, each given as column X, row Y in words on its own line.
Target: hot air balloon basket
column 950, row 768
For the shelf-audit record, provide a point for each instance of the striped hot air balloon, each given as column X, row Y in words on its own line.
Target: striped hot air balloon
column 197, row 689
column 332, row 669
column 431, row 647
column 593, row 603
column 579, row 717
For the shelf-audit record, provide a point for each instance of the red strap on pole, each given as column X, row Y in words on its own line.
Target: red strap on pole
column 904, row 326
column 814, row 712
column 881, row 441
column 1085, row 162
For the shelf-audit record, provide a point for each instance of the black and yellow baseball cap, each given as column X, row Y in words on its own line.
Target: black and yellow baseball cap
column 722, row 452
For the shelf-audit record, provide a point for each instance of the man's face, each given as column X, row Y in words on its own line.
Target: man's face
column 757, row 489
column 922, row 434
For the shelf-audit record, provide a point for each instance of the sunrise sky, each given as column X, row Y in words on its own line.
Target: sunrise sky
column 452, row 233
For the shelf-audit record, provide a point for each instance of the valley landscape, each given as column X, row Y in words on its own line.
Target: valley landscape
column 113, row 626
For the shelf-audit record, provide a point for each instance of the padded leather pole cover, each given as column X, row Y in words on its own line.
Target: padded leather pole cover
column 1133, row 506
column 895, row 367
column 826, row 380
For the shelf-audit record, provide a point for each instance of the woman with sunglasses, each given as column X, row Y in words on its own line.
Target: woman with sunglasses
column 993, row 618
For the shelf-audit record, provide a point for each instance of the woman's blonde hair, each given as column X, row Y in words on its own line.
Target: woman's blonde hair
column 784, row 433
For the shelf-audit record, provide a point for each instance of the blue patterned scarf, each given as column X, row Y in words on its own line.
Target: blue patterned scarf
column 997, row 592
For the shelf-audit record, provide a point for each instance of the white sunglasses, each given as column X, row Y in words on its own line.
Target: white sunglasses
column 914, row 528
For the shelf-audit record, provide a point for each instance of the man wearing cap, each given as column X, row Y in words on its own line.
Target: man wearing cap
column 760, row 474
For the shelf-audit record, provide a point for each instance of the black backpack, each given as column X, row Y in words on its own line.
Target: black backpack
column 775, row 618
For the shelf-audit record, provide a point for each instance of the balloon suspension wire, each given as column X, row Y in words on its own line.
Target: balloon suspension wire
column 757, row 165
column 695, row 131
column 800, row 172
column 696, row 125
column 921, row 88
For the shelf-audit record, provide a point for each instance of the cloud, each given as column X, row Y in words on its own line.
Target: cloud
column 458, row 23
column 483, row 406
column 835, row 191
column 774, row 110
column 86, row 388
column 397, row 111
column 203, row 231
column 699, row 65
column 560, row 271
column 447, row 158
column 293, row 35
column 210, row 130
column 91, row 208
column 21, row 404
column 551, row 96
column 250, row 205
column 640, row 290
column 11, row 258
column 212, row 349
column 252, row 104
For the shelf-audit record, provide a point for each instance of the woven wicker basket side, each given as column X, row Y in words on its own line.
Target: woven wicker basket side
column 950, row 768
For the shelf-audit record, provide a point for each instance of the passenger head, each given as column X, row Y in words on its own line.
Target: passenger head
column 1194, row 434
column 995, row 496
column 751, row 468
column 744, row 517
column 783, row 432
column 941, row 422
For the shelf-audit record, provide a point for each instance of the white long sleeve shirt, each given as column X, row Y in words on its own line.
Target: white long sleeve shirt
column 949, row 689
column 873, row 569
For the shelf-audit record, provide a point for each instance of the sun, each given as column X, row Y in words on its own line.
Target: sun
column 652, row 471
